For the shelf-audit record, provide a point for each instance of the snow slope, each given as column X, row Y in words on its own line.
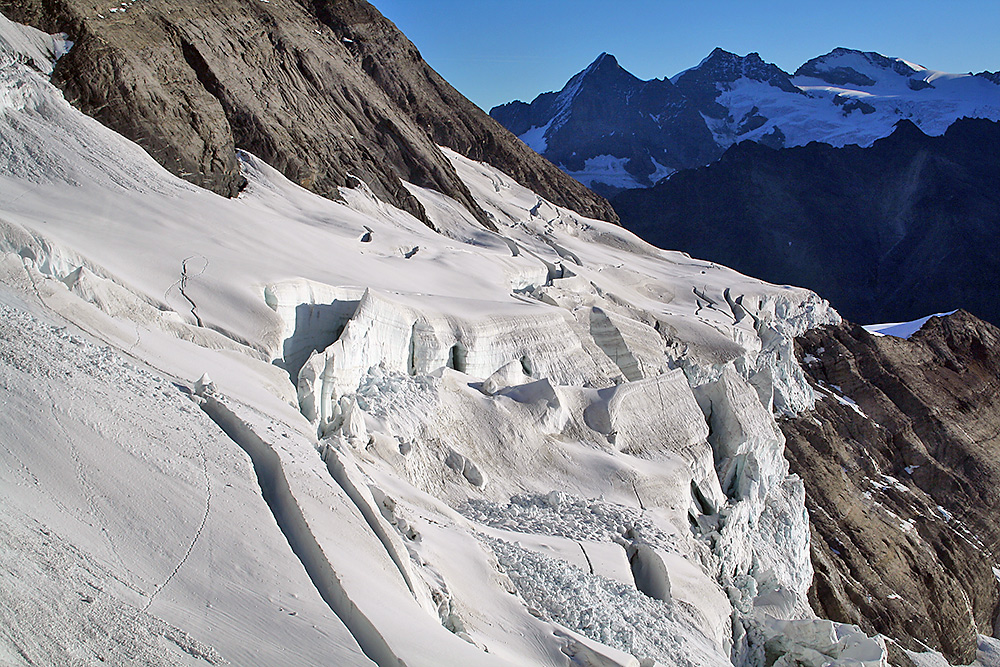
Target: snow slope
column 551, row 445
column 133, row 531
column 901, row 329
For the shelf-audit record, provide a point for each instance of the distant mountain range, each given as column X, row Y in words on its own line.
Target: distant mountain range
column 613, row 131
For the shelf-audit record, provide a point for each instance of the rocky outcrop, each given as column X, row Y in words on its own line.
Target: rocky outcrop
column 901, row 463
column 889, row 233
column 327, row 92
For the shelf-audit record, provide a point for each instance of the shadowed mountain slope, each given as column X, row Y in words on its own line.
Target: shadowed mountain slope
column 888, row 233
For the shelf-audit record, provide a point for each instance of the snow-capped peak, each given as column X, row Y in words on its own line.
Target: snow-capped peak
column 859, row 68
column 723, row 67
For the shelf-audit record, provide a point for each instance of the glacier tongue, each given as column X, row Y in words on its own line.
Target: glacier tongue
column 550, row 443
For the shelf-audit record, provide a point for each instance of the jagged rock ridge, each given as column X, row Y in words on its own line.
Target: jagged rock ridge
column 327, row 92
column 888, row 233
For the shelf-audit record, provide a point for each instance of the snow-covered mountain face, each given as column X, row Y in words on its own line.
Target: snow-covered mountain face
column 279, row 429
column 844, row 97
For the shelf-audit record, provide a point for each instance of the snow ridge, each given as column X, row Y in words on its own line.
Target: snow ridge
column 284, row 506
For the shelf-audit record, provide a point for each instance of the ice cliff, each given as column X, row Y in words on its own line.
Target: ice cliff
column 550, row 444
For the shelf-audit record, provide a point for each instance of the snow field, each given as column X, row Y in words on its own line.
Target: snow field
column 134, row 519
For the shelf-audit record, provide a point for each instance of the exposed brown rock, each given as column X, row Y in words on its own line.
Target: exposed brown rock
column 324, row 91
column 903, row 499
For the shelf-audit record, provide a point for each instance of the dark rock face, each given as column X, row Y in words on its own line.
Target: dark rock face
column 701, row 84
column 324, row 91
column 605, row 110
column 635, row 132
column 837, row 76
column 903, row 488
column 850, row 104
column 893, row 232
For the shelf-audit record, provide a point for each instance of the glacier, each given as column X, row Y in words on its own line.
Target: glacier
column 285, row 429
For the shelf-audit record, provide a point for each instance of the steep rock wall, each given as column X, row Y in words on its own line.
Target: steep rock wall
column 901, row 464
column 326, row 92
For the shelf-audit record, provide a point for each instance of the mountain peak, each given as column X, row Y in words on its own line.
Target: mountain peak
column 603, row 73
column 725, row 67
column 906, row 129
column 604, row 60
column 844, row 66
column 605, row 65
column 898, row 65
column 719, row 54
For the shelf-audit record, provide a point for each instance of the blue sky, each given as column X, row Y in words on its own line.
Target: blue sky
column 495, row 51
